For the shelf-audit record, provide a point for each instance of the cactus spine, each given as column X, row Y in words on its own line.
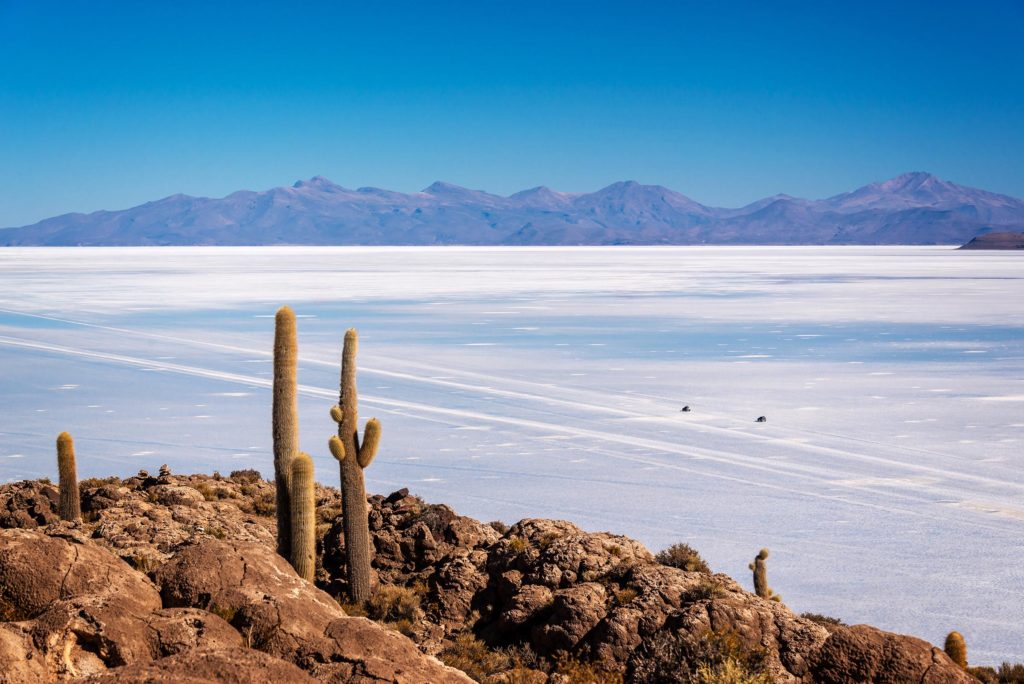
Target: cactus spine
column 285, row 420
column 70, row 507
column 761, row 587
column 353, row 457
column 303, row 517
column 956, row 649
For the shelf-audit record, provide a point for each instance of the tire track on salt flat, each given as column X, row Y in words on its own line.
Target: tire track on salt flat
column 776, row 437
column 723, row 457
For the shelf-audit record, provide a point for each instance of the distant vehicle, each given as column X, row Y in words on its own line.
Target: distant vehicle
column 685, row 409
column 762, row 419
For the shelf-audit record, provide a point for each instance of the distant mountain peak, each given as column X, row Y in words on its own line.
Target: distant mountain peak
column 443, row 188
column 912, row 181
column 317, row 182
column 541, row 194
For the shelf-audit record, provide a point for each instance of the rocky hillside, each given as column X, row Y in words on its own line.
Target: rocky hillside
column 1000, row 240
column 175, row 578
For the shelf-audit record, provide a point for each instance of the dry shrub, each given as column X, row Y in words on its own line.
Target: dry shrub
column 469, row 654
column 684, row 557
column 247, row 476
column 826, row 621
column 577, row 672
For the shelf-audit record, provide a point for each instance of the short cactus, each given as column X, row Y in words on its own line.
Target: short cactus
column 956, row 649
column 285, row 420
column 303, row 517
column 761, row 587
column 353, row 456
column 70, row 507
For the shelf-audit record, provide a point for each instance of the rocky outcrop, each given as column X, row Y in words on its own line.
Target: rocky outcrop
column 28, row 504
column 201, row 666
column 865, row 654
column 73, row 609
column 996, row 240
column 177, row 579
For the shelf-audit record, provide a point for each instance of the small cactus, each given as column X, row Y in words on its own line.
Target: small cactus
column 956, row 649
column 285, row 420
column 69, row 508
column 303, row 517
column 761, row 587
column 353, row 456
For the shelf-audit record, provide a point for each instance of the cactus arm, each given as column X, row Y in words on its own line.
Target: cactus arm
column 371, row 440
column 337, row 447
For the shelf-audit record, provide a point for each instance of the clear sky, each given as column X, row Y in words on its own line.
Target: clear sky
column 105, row 105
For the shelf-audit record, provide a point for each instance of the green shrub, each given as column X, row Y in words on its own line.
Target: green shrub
column 684, row 557
column 499, row 527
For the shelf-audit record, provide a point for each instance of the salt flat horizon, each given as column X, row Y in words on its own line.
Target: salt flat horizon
column 888, row 480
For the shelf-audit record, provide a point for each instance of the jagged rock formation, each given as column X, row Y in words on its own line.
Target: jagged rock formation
column 157, row 585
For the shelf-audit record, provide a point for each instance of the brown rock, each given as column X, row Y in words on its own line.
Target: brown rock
column 203, row 666
column 865, row 654
column 28, row 504
column 356, row 650
column 18, row 664
column 37, row 570
column 574, row 612
column 175, row 630
column 253, row 588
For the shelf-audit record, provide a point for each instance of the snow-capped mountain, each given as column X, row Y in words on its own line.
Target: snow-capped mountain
column 914, row 208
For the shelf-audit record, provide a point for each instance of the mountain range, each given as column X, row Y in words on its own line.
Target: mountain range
column 913, row 208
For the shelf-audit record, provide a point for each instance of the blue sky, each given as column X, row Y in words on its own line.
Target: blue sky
column 105, row 105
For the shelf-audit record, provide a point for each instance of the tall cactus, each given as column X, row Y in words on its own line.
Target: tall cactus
column 69, row 508
column 353, row 458
column 761, row 587
column 303, row 517
column 285, row 420
column 956, row 649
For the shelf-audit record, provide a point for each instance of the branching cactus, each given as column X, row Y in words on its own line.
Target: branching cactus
column 285, row 420
column 956, row 649
column 70, row 507
column 354, row 457
column 761, row 587
column 303, row 517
